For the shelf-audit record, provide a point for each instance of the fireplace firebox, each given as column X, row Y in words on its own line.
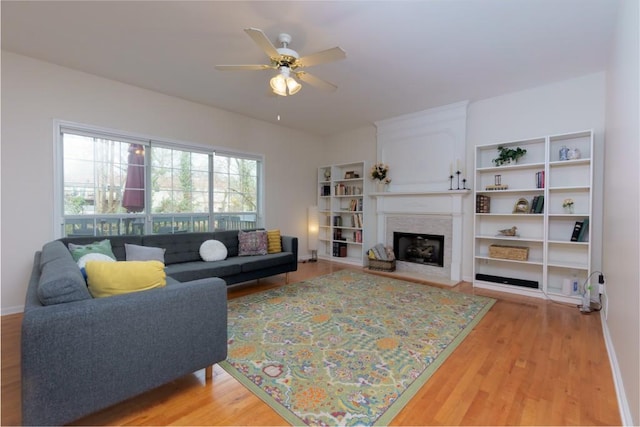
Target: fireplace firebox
column 419, row 248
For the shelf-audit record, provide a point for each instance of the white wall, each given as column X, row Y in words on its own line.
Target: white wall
column 621, row 235
column 352, row 146
column 34, row 93
column 567, row 106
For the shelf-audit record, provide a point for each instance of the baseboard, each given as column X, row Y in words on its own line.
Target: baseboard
column 623, row 402
column 11, row 310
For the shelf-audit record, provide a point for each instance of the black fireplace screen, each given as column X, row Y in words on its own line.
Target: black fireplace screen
column 419, row 248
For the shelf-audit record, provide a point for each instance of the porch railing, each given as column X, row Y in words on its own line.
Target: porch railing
column 122, row 225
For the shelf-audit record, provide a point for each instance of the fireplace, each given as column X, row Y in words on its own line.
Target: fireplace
column 427, row 249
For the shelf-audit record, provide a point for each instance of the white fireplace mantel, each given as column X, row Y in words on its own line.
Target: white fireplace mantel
column 426, row 203
column 446, row 202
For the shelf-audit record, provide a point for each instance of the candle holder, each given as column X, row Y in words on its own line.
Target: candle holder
column 450, row 182
column 464, row 183
column 458, row 173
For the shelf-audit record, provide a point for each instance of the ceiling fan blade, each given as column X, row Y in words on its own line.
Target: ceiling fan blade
column 261, row 40
column 322, row 57
column 243, row 67
column 315, row 81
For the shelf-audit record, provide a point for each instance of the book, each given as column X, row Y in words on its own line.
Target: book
column 539, row 204
column 534, row 201
column 576, row 231
column 584, row 231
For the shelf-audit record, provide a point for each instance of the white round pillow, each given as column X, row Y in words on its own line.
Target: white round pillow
column 213, row 250
column 93, row 257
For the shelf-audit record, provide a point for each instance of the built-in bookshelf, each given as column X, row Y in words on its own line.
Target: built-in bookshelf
column 525, row 240
column 341, row 210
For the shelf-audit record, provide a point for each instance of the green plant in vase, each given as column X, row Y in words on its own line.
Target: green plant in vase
column 507, row 155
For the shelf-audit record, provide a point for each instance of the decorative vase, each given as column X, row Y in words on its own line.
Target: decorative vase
column 568, row 209
column 380, row 187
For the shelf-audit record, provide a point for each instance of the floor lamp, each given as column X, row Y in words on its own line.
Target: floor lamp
column 313, row 228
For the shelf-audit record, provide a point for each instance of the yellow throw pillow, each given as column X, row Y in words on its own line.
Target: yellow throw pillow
column 274, row 245
column 114, row 278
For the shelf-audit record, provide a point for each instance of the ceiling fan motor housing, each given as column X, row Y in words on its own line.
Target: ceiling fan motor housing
column 288, row 56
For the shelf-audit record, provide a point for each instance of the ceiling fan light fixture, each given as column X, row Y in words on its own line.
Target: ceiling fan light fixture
column 293, row 86
column 283, row 84
column 279, row 85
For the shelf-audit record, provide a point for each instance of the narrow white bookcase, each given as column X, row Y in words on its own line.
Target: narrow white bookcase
column 555, row 168
column 341, row 210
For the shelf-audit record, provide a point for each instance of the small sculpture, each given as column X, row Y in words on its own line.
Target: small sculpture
column 511, row 232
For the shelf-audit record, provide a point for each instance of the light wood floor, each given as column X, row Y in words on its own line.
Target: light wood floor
column 528, row 362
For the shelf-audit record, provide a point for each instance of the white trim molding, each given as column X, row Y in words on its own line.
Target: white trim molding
column 623, row 402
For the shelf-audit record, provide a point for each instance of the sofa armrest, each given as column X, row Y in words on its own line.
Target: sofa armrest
column 82, row 356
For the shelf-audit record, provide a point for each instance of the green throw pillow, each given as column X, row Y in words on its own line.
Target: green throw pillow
column 101, row 247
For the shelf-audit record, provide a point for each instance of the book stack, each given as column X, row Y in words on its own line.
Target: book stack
column 540, row 179
column 347, row 190
column 483, row 203
column 339, row 249
column 537, row 204
column 356, row 220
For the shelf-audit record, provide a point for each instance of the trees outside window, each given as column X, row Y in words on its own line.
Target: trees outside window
column 119, row 185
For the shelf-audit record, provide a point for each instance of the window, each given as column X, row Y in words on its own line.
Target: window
column 119, row 185
column 235, row 192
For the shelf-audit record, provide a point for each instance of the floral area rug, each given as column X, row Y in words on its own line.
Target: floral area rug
column 348, row 348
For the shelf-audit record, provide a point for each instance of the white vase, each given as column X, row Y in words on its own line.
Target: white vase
column 381, row 187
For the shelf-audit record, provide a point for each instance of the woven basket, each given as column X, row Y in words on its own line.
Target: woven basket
column 516, row 253
column 382, row 265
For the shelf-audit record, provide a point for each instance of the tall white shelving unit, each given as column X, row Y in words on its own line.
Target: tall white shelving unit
column 341, row 210
column 553, row 257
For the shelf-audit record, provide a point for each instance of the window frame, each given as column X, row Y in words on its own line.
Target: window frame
column 59, row 217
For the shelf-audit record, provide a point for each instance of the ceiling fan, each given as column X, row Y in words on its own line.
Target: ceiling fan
column 289, row 64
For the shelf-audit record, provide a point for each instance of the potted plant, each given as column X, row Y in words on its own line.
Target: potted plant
column 507, row 155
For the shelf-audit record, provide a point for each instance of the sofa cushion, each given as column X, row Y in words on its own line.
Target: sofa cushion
column 117, row 243
column 213, row 250
column 121, row 277
column 230, row 240
column 188, row 271
column 252, row 243
column 260, row 262
column 100, row 247
column 143, row 253
column 274, row 244
column 181, row 247
column 61, row 281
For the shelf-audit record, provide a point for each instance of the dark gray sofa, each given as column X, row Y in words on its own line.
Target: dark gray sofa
column 81, row 354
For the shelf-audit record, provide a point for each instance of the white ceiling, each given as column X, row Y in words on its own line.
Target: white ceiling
column 402, row 56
